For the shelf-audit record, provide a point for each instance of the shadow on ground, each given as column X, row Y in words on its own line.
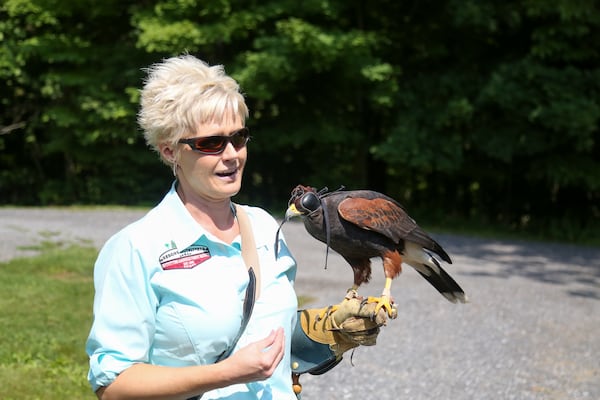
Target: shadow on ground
column 574, row 267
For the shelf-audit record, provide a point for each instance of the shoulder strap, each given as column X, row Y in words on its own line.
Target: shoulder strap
column 250, row 257
column 249, row 253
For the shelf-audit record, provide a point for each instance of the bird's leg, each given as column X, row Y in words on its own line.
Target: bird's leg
column 350, row 294
column 385, row 300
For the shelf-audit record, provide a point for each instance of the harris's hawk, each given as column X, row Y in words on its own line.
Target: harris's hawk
column 364, row 224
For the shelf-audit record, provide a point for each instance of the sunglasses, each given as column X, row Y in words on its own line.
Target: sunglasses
column 217, row 144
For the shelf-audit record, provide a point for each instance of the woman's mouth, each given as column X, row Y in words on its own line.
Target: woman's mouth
column 228, row 173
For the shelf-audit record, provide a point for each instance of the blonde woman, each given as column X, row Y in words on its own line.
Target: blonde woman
column 171, row 288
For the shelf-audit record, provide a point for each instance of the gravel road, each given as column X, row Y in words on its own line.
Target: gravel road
column 530, row 331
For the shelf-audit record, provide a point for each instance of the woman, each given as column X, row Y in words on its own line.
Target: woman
column 170, row 288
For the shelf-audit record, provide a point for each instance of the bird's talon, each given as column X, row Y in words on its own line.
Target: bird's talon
column 393, row 313
column 386, row 303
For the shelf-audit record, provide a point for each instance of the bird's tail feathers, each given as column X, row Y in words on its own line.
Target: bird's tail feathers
column 430, row 268
column 420, row 236
column 421, row 260
column 445, row 284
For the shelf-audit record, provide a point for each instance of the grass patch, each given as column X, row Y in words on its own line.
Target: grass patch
column 45, row 316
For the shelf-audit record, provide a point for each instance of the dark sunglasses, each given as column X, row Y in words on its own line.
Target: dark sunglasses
column 217, row 144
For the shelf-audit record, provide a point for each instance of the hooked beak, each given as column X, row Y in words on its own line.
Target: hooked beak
column 292, row 212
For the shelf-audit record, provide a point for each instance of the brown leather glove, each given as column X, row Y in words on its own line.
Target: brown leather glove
column 322, row 336
column 345, row 326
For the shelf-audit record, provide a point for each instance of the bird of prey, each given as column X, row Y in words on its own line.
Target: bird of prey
column 364, row 224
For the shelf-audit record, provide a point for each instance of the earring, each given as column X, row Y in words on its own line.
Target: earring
column 174, row 169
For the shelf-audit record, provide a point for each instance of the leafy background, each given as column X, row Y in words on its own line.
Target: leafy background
column 466, row 111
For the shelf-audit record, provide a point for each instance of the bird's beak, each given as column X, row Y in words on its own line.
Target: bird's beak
column 292, row 212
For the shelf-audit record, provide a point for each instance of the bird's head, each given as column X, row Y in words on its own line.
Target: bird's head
column 304, row 200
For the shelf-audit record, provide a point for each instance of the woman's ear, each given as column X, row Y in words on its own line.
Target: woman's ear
column 169, row 155
column 167, row 152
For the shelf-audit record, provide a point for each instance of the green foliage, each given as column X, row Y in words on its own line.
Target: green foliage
column 476, row 109
column 45, row 316
column 66, row 100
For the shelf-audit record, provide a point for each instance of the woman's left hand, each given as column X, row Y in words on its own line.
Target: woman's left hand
column 257, row 361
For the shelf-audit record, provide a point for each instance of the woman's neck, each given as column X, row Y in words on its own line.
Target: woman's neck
column 215, row 216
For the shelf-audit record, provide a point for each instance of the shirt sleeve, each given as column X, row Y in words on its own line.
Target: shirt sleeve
column 124, row 312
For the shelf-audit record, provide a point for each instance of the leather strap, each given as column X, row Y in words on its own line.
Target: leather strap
column 250, row 257
column 249, row 253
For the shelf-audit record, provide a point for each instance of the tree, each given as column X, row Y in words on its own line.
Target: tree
column 69, row 94
column 471, row 109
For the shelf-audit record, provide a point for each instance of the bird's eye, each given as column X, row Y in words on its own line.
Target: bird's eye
column 310, row 202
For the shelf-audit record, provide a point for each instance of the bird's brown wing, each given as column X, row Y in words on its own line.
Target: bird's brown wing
column 378, row 215
column 387, row 218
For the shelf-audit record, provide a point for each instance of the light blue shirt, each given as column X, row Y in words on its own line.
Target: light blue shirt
column 170, row 293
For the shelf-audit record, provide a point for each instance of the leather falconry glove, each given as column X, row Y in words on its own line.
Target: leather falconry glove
column 350, row 324
column 323, row 335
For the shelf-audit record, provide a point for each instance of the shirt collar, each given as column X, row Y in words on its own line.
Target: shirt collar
column 183, row 227
column 185, row 230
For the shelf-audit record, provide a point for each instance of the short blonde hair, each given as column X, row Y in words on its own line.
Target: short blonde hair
column 182, row 93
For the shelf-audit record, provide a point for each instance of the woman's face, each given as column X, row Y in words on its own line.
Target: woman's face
column 212, row 177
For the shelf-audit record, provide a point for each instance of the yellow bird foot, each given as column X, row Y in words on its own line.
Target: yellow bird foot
column 386, row 303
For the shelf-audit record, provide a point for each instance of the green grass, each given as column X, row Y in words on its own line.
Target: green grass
column 45, row 316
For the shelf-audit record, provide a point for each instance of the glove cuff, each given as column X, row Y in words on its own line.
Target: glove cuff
column 325, row 330
column 312, row 354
